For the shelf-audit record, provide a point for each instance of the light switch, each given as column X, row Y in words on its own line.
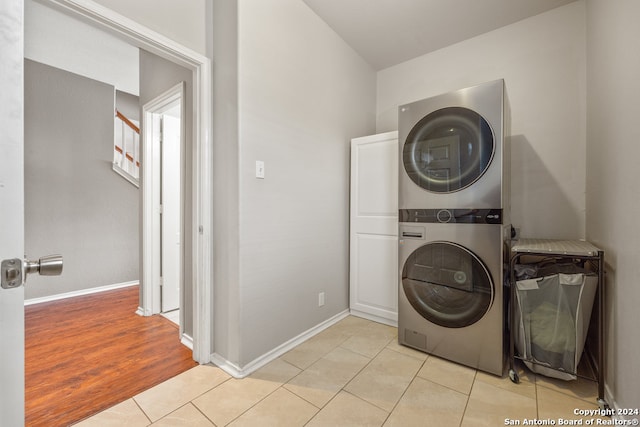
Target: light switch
column 259, row 169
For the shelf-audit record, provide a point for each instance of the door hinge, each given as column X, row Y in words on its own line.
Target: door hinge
column 161, row 281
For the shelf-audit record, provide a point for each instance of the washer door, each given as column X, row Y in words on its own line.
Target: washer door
column 448, row 150
column 447, row 284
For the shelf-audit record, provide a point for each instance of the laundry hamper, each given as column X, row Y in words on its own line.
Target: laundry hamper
column 552, row 319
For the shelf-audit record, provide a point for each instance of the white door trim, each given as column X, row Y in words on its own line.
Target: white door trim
column 201, row 161
column 151, row 303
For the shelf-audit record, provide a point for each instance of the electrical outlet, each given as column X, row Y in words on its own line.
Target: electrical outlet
column 320, row 299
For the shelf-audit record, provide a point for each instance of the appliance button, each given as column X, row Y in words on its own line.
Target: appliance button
column 444, row 215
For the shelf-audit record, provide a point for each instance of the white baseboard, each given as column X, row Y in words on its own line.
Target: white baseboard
column 373, row 317
column 81, row 292
column 241, row 372
column 614, row 408
column 187, row 341
column 142, row 312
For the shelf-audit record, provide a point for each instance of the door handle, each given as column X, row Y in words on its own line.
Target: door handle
column 13, row 272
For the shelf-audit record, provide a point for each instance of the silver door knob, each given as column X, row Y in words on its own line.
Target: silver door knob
column 50, row 265
column 13, row 272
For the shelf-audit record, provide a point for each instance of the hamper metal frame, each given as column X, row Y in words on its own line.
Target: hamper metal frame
column 559, row 249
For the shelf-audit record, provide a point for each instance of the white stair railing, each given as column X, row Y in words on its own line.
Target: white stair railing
column 126, row 148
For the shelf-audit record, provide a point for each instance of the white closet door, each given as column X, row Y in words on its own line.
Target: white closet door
column 374, row 227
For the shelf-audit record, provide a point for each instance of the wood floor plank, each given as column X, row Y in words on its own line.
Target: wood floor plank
column 86, row 354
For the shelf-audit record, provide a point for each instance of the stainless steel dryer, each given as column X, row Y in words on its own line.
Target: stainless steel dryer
column 450, row 300
column 452, row 151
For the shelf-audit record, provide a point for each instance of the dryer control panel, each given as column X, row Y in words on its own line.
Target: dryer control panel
column 458, row 216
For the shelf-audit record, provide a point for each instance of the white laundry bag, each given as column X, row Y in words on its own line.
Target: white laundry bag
column 553, row 314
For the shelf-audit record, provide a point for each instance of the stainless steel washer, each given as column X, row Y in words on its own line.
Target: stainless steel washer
column 452, row 150
column 450, row 301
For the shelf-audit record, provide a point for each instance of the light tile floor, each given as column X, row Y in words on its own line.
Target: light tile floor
column 352, row 374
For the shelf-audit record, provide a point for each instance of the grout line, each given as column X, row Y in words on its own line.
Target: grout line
column 198, row 409
column 404, row 392
column 466, row 405
column 142, row 410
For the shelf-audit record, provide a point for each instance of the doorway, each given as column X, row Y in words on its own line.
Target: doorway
column 12, row 302
column 199, row 198
column 163, row 148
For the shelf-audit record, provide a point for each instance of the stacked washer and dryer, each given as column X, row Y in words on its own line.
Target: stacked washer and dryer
column 454, row 229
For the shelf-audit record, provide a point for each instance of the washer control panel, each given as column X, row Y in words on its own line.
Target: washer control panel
column 458, row 216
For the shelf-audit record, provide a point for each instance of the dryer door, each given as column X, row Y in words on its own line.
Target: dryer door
column 448, row 150
column 447, row 284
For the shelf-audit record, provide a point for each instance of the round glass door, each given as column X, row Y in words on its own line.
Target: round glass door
column 448, row 150
column 447, row 284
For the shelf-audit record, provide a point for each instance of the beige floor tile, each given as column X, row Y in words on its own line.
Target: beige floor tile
column 384, row 380
column 580, row 388
column 179, row 390
column 310, row 351
column 352, row 325
column 457, row 377
column 348, row 410
column 125, row 414
column 229, row 400
column 366, row 345
column 395, row 346
column 187, row 416
column 322, row 380
column 379, row 329
column 426, row 403
column 370, row 338
column 277, row 371
column 555, row 405
column 489, row 405
column 526, row 386
column 280, row 409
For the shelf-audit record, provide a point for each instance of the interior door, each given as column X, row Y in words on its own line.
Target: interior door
column 374, row 227
column 171, row 209
column 11, row 210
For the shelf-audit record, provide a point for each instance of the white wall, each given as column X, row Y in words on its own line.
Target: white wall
column 55, row 39
column 183, row 21
column 542, row 60
column 613, row 198
column 303, row 94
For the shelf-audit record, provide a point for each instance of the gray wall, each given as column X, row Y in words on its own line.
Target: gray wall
column 613, row 198
column 75, row 204
column 226, row 184
column 545, row 80
column 293, row 95
column 128, row 104
column 303, row 94
column 157, row 75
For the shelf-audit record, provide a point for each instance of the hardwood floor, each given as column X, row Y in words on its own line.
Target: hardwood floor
column 85, row 354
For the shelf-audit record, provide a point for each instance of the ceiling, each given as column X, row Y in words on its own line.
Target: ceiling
column 388, row 32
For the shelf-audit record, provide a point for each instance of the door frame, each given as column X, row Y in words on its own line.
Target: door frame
column 200, row 163
column 151, row 223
